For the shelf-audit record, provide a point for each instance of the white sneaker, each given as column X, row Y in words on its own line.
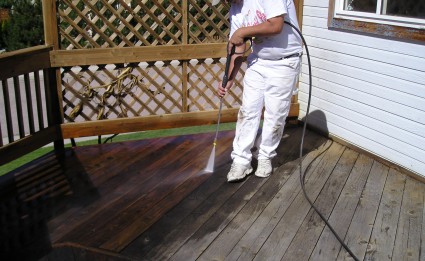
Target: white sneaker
column 238, row 172
column 264, row 168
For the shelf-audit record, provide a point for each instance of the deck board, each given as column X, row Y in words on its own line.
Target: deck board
column 308, row 234
column 362, row 223
column 151, row 200
column 340, row 219
column 231, row 235
column 381, row 242
column 408, row 237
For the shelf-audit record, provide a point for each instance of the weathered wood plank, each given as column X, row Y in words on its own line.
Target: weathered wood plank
column 407, row 244
column 194, row 221
column 254, row 238
column 7, row 110
column 93, row 128
column 278, row 241
column 78, row 57
column 422, row 255
column 361, row 226
column 307, row 236
column 230, row 236
column 77, row 252
column 28, row 95
column 381, row 242
column 328, row 246
column 18, row 105
column 228, row 221
column 30, row 143
column 50, row 23
column 39, row 100
column 24, row 61
column 203, row 237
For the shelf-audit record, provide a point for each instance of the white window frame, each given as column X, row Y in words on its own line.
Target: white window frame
column 377, row 17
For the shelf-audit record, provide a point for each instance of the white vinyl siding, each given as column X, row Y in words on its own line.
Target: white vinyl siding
column 370, row 90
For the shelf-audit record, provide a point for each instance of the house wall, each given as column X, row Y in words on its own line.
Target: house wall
column 367, row 90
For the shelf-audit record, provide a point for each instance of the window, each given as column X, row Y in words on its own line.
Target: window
column 394, row 18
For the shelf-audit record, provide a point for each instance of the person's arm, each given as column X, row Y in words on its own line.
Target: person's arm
column 270, row 27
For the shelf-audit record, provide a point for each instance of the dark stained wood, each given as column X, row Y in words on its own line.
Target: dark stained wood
column 377, row 29
column 101, row 162
column 150, row 200
column 77, row 252
column 187, row 179
column 53, row 106
column 104, row 174
column 202, row 201
column 30, row 143
column 24, row 61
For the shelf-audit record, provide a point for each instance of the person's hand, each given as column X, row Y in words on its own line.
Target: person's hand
column 221, row 91
column 237, row 39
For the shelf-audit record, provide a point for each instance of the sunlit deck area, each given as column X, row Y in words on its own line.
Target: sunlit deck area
column 151, row 200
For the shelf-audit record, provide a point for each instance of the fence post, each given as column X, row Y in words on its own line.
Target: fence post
column 185, row 40
column 53, row 107
column 53, row 88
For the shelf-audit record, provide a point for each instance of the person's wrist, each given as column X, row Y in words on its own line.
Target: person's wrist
column 243, row 33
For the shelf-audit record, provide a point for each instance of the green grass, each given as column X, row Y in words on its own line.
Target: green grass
column 6, row 168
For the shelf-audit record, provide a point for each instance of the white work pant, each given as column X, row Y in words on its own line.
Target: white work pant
column 270, row 84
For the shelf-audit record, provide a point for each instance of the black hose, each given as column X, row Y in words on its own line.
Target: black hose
column 302, row 176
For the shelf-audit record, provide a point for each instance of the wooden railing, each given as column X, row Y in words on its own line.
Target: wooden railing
column 29, row 110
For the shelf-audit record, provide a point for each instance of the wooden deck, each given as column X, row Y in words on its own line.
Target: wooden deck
column 150, row 200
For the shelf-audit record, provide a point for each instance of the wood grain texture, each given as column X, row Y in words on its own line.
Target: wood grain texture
column 150, row 200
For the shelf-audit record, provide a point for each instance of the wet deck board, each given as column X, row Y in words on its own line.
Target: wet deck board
column 151, row 200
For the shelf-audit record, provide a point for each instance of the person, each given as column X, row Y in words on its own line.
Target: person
column 269, row 81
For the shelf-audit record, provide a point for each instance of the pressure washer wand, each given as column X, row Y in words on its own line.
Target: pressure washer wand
column 210, row 164
column 223, row 84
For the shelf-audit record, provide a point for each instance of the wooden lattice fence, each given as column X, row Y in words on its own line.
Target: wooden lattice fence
column 129, row 59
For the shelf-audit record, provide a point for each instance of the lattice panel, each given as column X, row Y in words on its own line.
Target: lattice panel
column 110, row 91
column 204, row 76
column 99, row 92
column 207, row 23
column 123, row 23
